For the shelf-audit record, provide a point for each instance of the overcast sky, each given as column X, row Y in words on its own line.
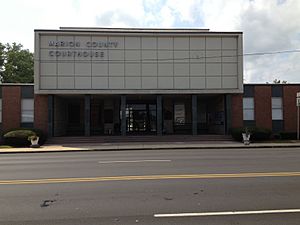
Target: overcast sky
column 268, row 25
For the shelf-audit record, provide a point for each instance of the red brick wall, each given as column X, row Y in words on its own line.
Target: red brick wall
column 237, row 110
column 11, row 107
column 263, row 106
column 41, row 112
column 289, row 107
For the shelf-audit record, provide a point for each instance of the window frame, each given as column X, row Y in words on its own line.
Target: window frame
column 27, row 111
column 249, row 109
column 275, row 107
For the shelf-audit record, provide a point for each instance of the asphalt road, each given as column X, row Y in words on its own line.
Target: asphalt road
column 141, row 187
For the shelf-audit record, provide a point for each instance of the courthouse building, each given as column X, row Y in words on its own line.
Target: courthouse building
column 101, row 81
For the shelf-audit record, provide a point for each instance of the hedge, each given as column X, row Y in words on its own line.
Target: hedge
column 257, row 133
column 19, row 137
column 288, row 135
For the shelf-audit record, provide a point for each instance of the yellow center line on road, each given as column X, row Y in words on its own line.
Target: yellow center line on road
column 149, row 177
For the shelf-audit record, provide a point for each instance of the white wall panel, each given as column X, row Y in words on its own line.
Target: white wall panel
column 166, row 82
column 165, row 43
column 149, row 82
column 48, row 83
column 213, row 69
column 165, row 69
column 133, row 69
column 181, row 69
column 83, row 69
column 48, row 69
column 213, row 82
column 65, row 69
column 213, row 56
column 133, row 82
column 229, row 43
column 229, row 69
column 197, row 69
column 229, row 56
column 197, row 56
column 83, row 83
column 229, row 82
column 132, row 56
column 149, row 69
column 213, row 43
column 95, row 62
column 181, row 56
column 181, row 83
column 132, row 43
column 116, row 83
column 99, row 82
column 197, row 43
column 181, row 43
column 197, row 83
column 149, row 43
column 116, row 69
column 119, row 40
column 165, row 56
column 149, row 56
column 46, row 39
column 100, row 69
column 116, row 55
column 65, row 83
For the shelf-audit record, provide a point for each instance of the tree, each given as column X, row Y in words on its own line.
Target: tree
column 277, row 81
column 16, row 64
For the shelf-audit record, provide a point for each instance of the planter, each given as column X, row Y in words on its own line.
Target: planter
column 246, row 138
column 35, row 143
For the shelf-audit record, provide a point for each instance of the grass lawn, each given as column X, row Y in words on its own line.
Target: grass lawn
column 5, row 146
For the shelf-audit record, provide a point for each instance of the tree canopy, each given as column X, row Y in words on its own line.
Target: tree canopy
column 16, row 64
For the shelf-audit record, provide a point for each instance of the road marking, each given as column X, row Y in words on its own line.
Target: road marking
column 229, row 213
column 136, row 161
column 150, row 177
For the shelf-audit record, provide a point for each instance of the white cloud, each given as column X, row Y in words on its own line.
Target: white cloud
column 268, row 25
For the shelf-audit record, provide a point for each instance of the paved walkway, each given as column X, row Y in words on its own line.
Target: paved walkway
column 147, row 146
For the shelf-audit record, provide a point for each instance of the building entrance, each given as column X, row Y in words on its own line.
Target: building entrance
column 140, row 118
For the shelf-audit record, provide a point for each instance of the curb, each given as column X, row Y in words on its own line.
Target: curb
column 139, row 148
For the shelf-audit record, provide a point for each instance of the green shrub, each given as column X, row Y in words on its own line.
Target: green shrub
column 42, row 136
column 257, row 133
column 260, row 134
column 288, row 135
column 19, row 137
column 236, row 133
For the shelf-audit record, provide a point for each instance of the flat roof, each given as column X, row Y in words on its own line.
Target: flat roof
column 135, row 30
column 271, row 84
column 16, row 84
column 249, row 84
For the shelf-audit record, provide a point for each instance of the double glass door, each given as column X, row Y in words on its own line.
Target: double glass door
column 141, row 118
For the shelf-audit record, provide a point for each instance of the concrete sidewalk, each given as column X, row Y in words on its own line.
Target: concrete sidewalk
column 147, row 146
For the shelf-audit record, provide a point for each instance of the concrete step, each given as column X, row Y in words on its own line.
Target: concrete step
column 133, row 138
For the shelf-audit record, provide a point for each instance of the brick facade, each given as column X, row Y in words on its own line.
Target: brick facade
column 289, row 107
column 12, row 97
column 11, row 107
column 41, row 112
column 263, row 106
column 237, row 111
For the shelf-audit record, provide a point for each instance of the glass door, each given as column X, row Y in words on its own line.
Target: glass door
column 140, row 118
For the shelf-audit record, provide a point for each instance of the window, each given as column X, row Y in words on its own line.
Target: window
column 179, row 114
column 27, row 107
column 277, row 108
column 248, row 108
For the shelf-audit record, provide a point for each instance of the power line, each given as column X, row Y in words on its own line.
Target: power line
column 197, row 57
